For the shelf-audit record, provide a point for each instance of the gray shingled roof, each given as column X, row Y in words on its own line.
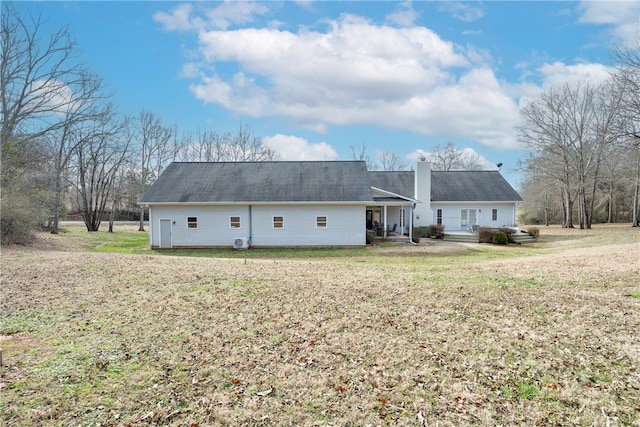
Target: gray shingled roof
column 201, row 182
column 472, row 186
column 399, row 182
column 451, row 186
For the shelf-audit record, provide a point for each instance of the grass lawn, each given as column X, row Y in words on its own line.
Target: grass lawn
column 96, row 329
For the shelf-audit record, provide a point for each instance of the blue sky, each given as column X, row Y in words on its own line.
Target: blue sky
column 315, row 78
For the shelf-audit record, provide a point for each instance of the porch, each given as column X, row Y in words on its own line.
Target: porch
column 390, row 217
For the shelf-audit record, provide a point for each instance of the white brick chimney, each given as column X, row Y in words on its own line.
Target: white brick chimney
column 423, row 214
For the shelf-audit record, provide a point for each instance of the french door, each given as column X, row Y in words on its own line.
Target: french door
column 468, row 218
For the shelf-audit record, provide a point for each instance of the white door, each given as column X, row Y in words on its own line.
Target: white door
column 165, row 233
column 468, row 218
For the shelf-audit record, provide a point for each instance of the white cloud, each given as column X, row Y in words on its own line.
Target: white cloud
column 405, row 16
column 559, row 73
column 291, row 147
column 357, row 73
column 234, row 13
column 621, row 16
column 179, row 19
column 226, row 14
column 52, row 96
column 467, row 12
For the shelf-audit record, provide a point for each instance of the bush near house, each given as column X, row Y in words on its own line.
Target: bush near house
column 416, row 233
column 437, row 230
column 485, row 235
column 500, row 238
column 509, row 233
column 371, row 238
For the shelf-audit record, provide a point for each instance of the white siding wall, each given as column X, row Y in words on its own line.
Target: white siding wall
column 451, row 214
column 345, row 225
column 214, row 228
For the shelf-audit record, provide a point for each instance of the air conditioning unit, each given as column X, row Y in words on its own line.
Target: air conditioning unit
column 241, row 243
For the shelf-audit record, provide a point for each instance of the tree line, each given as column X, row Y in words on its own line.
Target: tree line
column 583, row 141
column 65, row 144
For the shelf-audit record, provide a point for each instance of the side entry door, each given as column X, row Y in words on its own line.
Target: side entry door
column 165, row 233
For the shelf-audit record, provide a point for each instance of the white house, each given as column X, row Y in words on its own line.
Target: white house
column 327, row 203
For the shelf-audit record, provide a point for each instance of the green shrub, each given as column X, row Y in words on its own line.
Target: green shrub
column 500, row 238
column 426, row 230
column 533, row 232
column 20, row 217
column 485, row 235
column 509, row 232
column 371, row 238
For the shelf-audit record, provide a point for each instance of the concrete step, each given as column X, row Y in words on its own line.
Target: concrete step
column 523, row 238
column 465, row 238
column 473, row 238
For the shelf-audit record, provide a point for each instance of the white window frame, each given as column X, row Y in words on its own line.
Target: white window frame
column 494, row 214
column 232, row 222
column 280, row 222
column 192, row 220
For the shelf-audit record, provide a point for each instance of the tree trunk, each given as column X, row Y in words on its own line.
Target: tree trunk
column 141, row 227
column 610, row 207
column 546, row 216
column 111, row 215
column 567, row 205
column 636, row 201
column 56, row 208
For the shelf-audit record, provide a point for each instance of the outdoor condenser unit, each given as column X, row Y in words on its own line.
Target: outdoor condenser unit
column 241, row 243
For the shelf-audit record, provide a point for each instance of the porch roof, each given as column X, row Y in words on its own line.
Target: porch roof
column 392, row 201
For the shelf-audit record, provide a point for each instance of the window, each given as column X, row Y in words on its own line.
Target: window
column 234, row 222
column 278, row 222
column 321, row 222
column 192, row 222
column 494, row 215
column 439, row 217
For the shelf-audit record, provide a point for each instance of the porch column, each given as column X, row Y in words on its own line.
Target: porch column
column 385, row 221
column 411, row 225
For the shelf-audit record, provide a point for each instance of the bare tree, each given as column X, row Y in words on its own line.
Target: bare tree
column 448, row 157
column 84, row 107
column 541, row 194
column 151, row 137
column 241, row 146
column 392, row 162
column 97, row 162
column 37, row 72
column 627, row 78
column 238, row 146
column 360, row 153
column 41, row 81
column 549, row 137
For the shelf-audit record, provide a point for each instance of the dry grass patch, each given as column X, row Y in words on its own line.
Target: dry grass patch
column 545, row 334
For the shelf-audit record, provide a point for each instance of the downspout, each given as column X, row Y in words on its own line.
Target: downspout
column 250, row 225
